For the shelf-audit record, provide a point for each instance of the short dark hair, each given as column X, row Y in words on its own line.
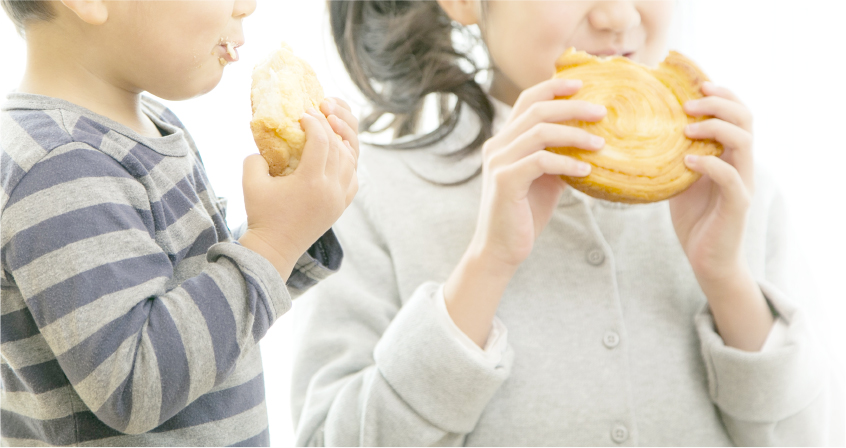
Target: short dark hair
column 23, row 11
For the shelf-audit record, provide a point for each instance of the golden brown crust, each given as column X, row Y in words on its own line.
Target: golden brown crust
column 643, row 158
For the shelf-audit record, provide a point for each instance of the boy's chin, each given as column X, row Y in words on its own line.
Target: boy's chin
column 186, row 91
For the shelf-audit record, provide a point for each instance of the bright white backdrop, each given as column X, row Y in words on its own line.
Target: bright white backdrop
column 783, row 58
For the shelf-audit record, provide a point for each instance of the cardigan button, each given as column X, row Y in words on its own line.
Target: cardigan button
column 611, row 339
column 595, row 257
column 619, row 434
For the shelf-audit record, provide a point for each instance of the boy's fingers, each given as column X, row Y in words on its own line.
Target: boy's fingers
column 333, row 146
column 255, row 168
column 347, row 116
column 339, row 102
column 346, row 132
column 352, row 189
column 316, row 148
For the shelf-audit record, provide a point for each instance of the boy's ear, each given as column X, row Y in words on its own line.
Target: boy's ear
column 93, row 12
column 465, row 12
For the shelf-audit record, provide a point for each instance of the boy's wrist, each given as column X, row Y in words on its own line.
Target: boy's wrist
column 283, row 262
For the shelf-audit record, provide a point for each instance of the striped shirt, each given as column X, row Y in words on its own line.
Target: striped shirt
column 130, row 315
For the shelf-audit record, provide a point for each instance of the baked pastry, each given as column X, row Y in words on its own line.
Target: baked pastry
column 284, row 86
column 645, row 145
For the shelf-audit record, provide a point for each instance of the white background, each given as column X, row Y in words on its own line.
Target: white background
column 783, row 58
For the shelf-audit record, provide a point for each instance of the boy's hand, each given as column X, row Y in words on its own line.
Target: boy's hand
column 287, row 214
column 342, row 120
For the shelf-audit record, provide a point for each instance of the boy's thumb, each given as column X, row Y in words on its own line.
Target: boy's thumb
column 255, row 168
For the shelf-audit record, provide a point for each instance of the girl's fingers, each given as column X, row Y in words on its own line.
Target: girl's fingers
column 721, row 108
column 551, row 112
column 727, row 178
column 545, row 135
column 545, row 91
column 734, row 139
column 711, row 89
column 316, row 149
column 518, row 177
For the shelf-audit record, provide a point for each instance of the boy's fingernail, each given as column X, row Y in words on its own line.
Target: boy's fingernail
column 691, row 159
column 707, row 85
column 597, row 141
column 583, row 168
column 692, row 127
column 691, row 104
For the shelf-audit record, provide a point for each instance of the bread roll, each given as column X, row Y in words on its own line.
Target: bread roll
column 645, row 145
column 284, row 86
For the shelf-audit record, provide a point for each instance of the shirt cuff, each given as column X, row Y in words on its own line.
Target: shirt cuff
column 777, row 336
column 497, row 341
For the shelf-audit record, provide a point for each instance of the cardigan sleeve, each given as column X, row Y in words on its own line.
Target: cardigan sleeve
column 790, row 393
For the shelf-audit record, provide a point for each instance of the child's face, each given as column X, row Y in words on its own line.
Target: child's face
column 173, row 49
column 525, row 38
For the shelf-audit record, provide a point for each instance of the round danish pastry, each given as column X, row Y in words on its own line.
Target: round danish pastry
column 645, row 145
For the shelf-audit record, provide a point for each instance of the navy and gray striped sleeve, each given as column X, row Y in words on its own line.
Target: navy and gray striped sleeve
column 137, row 344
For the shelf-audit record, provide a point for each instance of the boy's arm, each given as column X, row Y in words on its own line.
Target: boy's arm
column 136, row 343
column 322, row 259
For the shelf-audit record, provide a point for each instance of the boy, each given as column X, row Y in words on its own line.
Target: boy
column 130, row 315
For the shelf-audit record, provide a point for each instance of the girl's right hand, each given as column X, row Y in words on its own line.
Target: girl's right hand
column 520, row 190
column 521, row 186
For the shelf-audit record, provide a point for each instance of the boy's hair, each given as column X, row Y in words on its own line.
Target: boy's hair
column 397, row 52
column 22, row 11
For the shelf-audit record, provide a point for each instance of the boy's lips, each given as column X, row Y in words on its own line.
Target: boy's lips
column 227, row 51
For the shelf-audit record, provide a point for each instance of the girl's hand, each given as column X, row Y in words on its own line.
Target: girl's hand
column 520, row 190
column 520, row 183
column 710, row 219
column 710, row 216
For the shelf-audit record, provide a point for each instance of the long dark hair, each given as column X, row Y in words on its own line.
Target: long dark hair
column 397, row 53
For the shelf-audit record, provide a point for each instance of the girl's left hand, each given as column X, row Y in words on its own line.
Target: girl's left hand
column 710, row 216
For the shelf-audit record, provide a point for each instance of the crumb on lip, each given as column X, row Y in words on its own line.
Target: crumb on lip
column 230, row 49
column 222, row 61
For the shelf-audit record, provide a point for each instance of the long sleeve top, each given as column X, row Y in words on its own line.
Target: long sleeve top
column 130, row 316
column 609, row 337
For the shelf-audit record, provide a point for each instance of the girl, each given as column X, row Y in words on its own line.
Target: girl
column 483, row 302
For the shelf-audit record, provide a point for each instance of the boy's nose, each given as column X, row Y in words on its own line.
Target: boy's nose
column 243, row 8
column 615, row 16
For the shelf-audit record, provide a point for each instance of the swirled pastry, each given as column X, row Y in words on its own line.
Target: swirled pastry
column 645, row 145
column 284, row 86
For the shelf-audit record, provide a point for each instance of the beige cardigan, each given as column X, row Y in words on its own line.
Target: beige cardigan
column 610, row 340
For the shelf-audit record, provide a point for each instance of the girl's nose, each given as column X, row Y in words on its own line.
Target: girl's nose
column 615, row 16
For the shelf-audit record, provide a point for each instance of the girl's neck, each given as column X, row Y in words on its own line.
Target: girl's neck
column 503, row 88
column 58, row 69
